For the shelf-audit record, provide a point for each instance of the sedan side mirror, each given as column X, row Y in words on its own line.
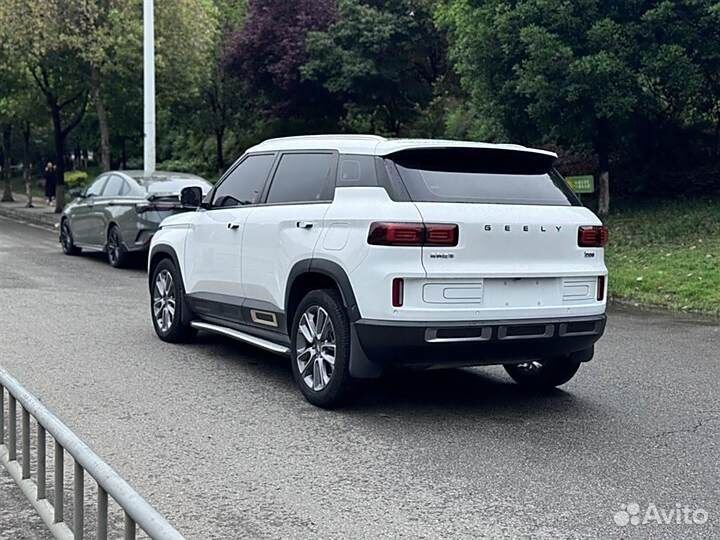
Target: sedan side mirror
column 191, row 197
column 77, row 192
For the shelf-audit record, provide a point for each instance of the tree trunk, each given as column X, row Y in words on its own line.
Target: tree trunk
column 124, row 153
column 102, row 120
column 27, row 166
column 604, row 193
column 219, row 154
column 602, row 147
column 6, row 163
column 59, row 139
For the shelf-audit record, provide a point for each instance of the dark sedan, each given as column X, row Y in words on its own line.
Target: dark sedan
column 119, row 212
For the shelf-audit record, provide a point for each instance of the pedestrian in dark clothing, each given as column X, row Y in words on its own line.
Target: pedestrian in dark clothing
column 50, row 175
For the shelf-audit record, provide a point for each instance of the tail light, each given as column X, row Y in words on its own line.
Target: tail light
column 601, row 288
column 593, row 236
column 398, row 291
column 156, row 206
column 413, row 234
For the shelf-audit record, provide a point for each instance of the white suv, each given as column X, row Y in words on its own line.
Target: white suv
column 353, row 253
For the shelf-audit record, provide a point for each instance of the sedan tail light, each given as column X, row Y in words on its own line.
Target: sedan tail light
column 593, row 236
column 156, row 206
column 413, row 234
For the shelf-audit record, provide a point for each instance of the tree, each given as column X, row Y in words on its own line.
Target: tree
column 19, row 106
column 47, row 38
column 543, row 71
column 112, row 51
column 381, row 59
column 220, row 95
column 267, row 53
column 680, row 75
column 9, row 82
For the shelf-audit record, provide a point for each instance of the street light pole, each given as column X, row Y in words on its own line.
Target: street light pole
column 149, row 86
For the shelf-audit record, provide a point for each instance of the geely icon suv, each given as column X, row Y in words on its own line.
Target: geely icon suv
column 350, row 254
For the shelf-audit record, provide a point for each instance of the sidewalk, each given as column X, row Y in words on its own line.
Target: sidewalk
column 41, row 215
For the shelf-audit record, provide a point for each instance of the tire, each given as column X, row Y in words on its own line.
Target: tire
column 168, row 307
column 66, row 239
column 118, row 256
column 323, row 383
column 544, row 374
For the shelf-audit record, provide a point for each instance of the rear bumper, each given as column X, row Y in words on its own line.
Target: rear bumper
column 477, row 342
column 142, row 239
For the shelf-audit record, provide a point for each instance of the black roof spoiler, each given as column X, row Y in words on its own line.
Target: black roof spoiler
column 474, row 160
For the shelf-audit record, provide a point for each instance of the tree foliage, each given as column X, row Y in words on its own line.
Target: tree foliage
column 380, row 59
column 269, row 50
column 584, row 73
column 629, row 87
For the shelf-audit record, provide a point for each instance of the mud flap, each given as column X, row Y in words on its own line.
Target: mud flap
column 361, row 367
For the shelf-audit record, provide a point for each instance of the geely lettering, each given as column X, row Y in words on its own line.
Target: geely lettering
column 350, row 254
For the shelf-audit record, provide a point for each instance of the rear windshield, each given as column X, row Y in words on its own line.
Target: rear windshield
column 481, row 176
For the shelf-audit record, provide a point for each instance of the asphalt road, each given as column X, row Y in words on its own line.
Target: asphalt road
column 218, row 439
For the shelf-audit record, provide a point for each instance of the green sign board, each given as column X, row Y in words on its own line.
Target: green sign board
column 582, row 184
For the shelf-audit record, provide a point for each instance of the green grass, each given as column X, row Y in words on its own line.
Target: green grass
column 666, row 255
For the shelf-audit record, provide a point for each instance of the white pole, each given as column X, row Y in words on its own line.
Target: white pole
column 149, row 80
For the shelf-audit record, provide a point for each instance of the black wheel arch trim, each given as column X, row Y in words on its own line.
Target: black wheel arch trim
column 331, row 270
column 166, row 251
column 361, row 366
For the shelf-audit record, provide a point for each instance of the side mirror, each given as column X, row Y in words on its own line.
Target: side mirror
column 77, row 192
column 191, row 197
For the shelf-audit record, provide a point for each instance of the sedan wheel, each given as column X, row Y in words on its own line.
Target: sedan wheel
column 315, row 348
column 164, row 301
column 117, row 256
column 66, row 239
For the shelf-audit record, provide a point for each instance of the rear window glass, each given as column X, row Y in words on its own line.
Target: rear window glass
column 482, row 176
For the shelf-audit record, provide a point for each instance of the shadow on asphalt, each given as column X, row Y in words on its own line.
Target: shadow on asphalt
column 137, row 261
column 485, row 391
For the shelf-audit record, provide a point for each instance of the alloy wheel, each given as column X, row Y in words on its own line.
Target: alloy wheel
column 164, row 300
column 315, row 348
column 113, row 247
column 66, row 237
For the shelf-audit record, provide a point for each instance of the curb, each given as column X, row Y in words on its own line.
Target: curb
column 41, row 220
column 629, row 305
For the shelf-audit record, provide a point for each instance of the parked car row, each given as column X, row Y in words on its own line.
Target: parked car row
column 353, row 254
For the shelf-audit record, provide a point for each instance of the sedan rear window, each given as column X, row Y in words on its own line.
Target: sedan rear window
column 490, row 176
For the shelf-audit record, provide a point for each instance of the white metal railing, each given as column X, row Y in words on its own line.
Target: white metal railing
column 138, row 513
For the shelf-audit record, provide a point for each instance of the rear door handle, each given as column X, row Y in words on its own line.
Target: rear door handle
column 304, row 225
column 233, row 226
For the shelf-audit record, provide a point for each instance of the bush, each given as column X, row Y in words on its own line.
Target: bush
column 75, row 179
column 182, row 165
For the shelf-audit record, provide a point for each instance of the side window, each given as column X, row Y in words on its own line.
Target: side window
column 96, row 187
column 125, row 189
column 114, row 186
column 245, row 183
column 302, row 178
column 356, row 170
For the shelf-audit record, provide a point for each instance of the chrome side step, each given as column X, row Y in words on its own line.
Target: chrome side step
column 242, row 336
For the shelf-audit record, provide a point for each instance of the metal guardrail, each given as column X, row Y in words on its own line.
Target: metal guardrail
column 138, row 513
